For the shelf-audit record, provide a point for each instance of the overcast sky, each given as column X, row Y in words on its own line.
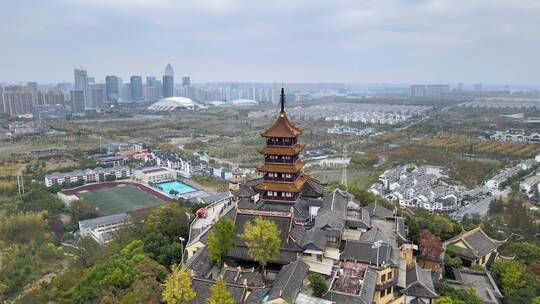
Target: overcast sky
column 358, row 41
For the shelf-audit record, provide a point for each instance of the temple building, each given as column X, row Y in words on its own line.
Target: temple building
column 473, row 247
column 327, row 233
column 282, row 169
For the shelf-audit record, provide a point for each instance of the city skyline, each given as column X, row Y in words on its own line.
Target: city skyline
column 304, row 41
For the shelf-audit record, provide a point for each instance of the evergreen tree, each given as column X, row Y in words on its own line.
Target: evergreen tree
column 317, row 284
column 262, row 240
column 178, row 287
column 220, row 294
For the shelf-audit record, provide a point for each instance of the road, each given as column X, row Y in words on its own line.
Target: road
column 480, row 208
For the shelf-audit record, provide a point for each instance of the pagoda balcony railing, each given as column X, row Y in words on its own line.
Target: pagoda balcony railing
column 281, row 161
column 279, row 198
column 281, row 142
column 279, row 179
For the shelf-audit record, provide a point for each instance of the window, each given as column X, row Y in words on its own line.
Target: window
column 383, row 293
column 288, row 194
column 383, row 278
column 269, row 193
column 389, row 276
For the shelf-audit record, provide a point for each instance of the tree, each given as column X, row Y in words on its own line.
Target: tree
column 317, row 284
column 509, row 274
column 462, row 296
column 527, row 252
column 170, row 220
column 23, row 227
column 220, row 294
column 430, row 245
column 178, row 287
column 220, row 240
column 451, row 263
column 163, row 250
column 447, row 300
column 262, row 240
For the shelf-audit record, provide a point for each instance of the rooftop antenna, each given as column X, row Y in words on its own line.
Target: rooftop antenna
column 282, row 101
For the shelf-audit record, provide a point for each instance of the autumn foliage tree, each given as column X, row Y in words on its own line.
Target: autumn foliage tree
column 430, row 245
column 220, row 294
column 262, row 240
column 178, row 287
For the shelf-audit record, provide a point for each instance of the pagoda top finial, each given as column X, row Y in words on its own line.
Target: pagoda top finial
column 282, row 101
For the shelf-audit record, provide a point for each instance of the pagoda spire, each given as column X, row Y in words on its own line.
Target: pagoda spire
column 282, row 100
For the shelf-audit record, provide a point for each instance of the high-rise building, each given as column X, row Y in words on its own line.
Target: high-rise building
column 418, row 90
column 17, row 102
column 50, row 98
column 168, row 81
column 460, row 86
column 478, row 87
column 82, row 83
column 77, row 102
column 437, row 89
column 2, row 109
column 98, row 95
column 186, row 81
column 125, row 92
column 152, row 92
column 136, row 88
column 112, row 88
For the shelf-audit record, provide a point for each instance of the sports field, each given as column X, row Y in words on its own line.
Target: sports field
column 119, row 199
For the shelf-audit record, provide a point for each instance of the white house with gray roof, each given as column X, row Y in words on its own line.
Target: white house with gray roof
column 102, row 229
column 87, row 175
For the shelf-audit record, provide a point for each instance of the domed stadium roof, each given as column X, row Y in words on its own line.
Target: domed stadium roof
column 243, row 102
column 172, row 103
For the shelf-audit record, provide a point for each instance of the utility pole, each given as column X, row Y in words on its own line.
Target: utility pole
column 377, row 244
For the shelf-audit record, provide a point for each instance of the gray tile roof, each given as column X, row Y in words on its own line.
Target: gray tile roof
column 481, row 281
column 245, row 191
column 215, row 197
column 314, row 239
column 479, row 244
column 202, row 288
column 104, row 220
column 289, row 281
column 200, row 263
column 367, row 291
column 364, row 252
column 420, row 283
column 377, row 210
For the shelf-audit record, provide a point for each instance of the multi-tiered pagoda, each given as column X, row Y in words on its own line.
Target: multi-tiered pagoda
column 282, row 169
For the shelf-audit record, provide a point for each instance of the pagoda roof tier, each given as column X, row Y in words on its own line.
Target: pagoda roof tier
column 281, row 168
column 280, row 150
column 286, row 187
column 282, row 127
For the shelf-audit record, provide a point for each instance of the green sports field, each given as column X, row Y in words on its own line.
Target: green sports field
column 119, row 199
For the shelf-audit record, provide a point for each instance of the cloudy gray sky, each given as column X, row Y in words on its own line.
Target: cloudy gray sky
column 358, row 41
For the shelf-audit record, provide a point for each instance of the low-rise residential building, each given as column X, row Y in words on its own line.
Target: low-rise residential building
column 530, row 184
column 173, row 160
column 411, row 186
column 495, row 182
column 515, row 136
column 154, row 175
column 346, row 130
column 103, row 229
column 88, row 175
